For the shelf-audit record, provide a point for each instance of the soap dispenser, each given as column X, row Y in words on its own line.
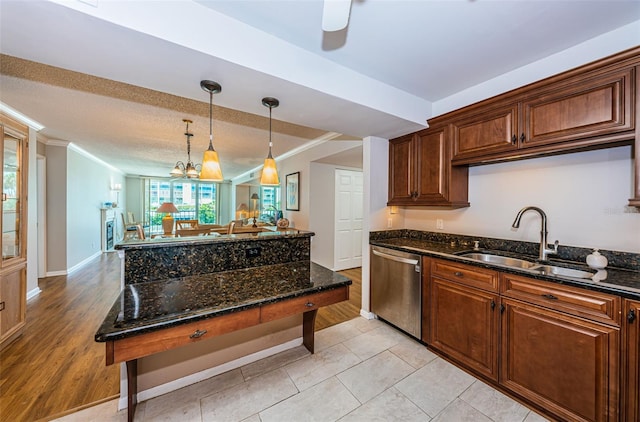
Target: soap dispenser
column 596, row 261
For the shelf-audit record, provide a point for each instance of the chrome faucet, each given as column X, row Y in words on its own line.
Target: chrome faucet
column 544, row 247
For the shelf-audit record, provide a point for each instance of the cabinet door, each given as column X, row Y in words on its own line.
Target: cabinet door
column 13, row 204
column 12, row 303
column 489, row 132
column 631, row 365
column 464, row 325
column 401, row 171
column 590, row 107
column 565, row 364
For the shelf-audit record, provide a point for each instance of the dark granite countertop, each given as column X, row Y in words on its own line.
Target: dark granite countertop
column 616, row 281
column 154, row 305
column 159, row 242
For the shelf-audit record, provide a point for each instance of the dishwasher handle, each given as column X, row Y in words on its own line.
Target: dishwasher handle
column 395, row 258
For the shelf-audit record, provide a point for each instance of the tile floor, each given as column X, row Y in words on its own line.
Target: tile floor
column 363, row 370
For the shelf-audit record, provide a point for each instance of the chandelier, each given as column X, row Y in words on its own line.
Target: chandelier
column 188, row 170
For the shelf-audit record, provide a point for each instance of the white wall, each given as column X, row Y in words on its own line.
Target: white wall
column 56, row 208
column 302, row 163
column 375, row 168
column 583, row 194
column 88, row 186
column 32, row 216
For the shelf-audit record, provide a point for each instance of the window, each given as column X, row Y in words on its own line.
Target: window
column 269, row 203
column 194, row 200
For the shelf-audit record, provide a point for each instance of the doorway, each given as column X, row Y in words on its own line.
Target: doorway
column 349, row 186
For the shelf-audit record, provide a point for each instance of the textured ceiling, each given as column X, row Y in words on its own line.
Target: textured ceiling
column 119, row 86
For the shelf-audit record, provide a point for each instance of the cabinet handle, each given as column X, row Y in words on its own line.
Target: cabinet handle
column 549, row 296
column 502, row 308
column 493, row 304
column 522, row 138
column 458, row 274
column 198, row 334
column 514, row 139
column 2, row 306
column 631, row 316
column 309, row 304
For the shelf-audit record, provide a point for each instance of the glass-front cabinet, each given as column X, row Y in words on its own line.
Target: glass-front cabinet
column 14, row 225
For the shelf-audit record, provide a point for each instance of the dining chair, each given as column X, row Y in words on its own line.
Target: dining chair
column 186, row 224
column 232, row 226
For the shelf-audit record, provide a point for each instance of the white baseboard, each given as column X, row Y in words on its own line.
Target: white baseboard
column 367, row 314
column 83, row 262
column 33, row 293
column 55, row 273
column 202, row 375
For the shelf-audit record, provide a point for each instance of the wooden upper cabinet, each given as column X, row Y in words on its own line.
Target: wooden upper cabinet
column 486, row 133
column 420, row 171
column 588, row 108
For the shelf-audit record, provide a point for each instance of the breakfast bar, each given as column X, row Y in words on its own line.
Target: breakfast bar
column 241, row 291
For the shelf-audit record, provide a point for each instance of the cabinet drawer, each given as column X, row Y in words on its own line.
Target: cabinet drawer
column 469, row 275
column 596, row 306
column 302, row 304
column 158, row 341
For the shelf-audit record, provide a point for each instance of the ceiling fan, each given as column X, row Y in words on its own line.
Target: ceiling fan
column 335, row 15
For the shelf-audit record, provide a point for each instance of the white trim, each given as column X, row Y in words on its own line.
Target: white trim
column 319, row 140
column 76, row 148
column 33, row 293
column 21, row 117
column 84, row 262
column 202, row 375
column 75, row 267
column 367, row 314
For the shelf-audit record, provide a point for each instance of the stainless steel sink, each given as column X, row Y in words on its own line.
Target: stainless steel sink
column 499, row 260
column 561, row 271
column 535, row 267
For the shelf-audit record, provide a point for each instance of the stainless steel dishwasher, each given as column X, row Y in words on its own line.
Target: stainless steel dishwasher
column 396, row 288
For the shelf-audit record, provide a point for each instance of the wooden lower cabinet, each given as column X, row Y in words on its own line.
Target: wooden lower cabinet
column 564, row 364
column 464, row 325
column 631, row 361
column 13, row 303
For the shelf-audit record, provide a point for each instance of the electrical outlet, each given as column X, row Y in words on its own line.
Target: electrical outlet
column 439, row 224
column 253, row 252
column 389, row 222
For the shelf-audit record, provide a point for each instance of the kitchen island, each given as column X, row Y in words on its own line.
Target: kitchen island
column 215, row 287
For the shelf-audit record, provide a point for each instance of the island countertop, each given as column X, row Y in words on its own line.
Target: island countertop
column 150, row 306
column 269, row 233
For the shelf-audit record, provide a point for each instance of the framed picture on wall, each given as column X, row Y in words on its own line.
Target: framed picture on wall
column 293, row 191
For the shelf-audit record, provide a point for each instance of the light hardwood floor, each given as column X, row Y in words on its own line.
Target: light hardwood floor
column 56, row 365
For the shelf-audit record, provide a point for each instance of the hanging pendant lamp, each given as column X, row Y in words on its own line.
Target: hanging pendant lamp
column 211, row 170
column 269, row 171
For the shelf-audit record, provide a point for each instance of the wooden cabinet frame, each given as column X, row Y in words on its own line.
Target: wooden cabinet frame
column 13, row 277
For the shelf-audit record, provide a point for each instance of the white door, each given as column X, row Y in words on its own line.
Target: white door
column 348, row 219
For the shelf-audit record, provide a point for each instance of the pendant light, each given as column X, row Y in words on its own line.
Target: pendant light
column 210, row 169
column 186, row 170
column 269, row 171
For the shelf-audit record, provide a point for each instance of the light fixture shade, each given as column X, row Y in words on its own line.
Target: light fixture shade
column 211, row 167
column 167, row 207
column 269, row 173
column 242, row 207
column 176, row 172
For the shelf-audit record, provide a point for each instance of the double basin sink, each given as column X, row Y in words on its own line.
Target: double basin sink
column 544, row 269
